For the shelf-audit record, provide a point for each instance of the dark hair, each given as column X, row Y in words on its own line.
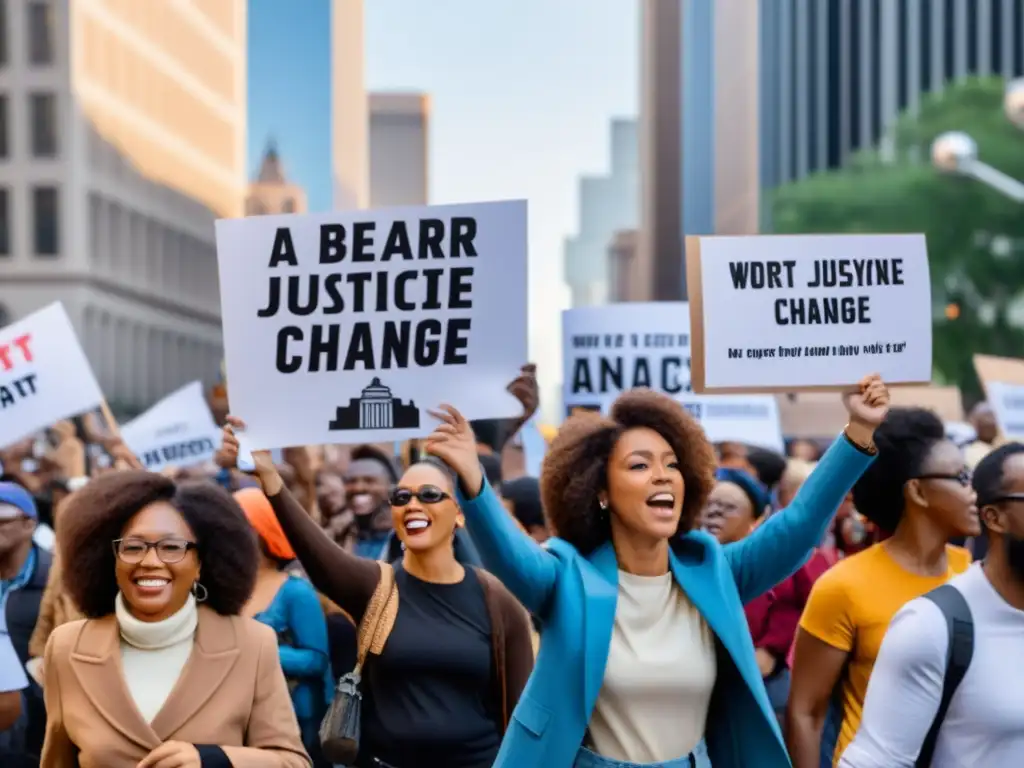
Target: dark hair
column 575, row 469
column 769, row 465
column 96, row 515
column 491, row 464
column 989, row 479
column 524, row 493
column 440, row 466
column 373, row 453
column 904, row 440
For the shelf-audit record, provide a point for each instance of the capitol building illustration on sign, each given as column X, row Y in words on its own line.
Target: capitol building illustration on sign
column 376, row 408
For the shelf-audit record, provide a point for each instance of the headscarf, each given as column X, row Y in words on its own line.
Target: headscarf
column 261, row 517
column 750, row 485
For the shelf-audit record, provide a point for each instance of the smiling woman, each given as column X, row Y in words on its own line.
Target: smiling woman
column 161, row 571
column 456, row 647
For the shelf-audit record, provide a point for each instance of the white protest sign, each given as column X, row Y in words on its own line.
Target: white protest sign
column 782, row 312
column 346, row 327
column 44, row 374
column 608, row 350
column 1007, row 401
column 178, row 431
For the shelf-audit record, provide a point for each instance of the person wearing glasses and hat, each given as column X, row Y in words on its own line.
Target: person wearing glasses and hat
column 164, row 671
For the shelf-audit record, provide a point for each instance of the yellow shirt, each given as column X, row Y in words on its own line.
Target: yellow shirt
column 850, row 608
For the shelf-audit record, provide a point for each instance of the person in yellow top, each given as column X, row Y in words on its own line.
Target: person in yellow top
column 920, row 490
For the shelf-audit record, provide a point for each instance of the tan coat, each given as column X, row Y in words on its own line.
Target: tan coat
column 231, row 693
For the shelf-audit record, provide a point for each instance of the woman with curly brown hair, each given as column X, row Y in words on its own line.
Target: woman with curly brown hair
column 163, row 673
column 645, row 655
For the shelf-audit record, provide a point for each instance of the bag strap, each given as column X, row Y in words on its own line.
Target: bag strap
column 960, row 625
column 379, row 618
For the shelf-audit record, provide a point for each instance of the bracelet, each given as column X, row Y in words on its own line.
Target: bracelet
column 871, row 449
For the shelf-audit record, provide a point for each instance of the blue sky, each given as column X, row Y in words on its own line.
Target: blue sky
column 522, row 92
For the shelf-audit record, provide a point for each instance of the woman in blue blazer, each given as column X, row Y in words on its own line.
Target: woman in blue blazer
column 645, row 656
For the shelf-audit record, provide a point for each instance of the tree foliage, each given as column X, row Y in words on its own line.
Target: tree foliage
column 975, row 235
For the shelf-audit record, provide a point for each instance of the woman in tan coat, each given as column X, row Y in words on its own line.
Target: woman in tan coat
column 164, row 673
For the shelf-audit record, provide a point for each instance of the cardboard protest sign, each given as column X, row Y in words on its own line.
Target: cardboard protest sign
column 823, row 415
column 178, row 431
column 44, row 374
column 346, row 327
column 608, row 350
column 1003, row 379
column 798, row 312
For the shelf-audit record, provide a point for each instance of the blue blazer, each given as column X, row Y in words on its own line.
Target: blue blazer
column 574, row 597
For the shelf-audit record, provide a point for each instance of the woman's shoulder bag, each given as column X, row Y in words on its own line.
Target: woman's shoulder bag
column 340, row 729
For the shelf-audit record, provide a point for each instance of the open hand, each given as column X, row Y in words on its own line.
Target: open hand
column 227, row 457
column 172, row 754
column 454, row 443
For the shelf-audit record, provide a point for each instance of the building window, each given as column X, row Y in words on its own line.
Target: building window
column 5, row 223
column 46, row 221
column 43, row 116
column 4, row 130
column 40, row 32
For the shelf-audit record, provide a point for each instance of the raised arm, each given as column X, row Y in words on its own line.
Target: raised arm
column 774, row 551
column 527, row 570
column 345, row 579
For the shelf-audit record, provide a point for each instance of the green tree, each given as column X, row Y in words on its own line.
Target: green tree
column 975, row 235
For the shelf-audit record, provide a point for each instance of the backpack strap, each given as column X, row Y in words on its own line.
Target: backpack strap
column 379, row 618
column 960, row 625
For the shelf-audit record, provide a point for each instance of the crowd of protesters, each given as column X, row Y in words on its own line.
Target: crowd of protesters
column 650, row 600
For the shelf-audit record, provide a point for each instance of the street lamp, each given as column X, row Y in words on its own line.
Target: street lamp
column 957, row 152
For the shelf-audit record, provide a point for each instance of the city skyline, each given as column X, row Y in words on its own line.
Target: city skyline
column 519, row 109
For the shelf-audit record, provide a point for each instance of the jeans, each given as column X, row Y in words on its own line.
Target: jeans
column 696, row 759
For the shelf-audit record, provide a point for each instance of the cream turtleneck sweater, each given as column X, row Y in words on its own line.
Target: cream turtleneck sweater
column 153, row 653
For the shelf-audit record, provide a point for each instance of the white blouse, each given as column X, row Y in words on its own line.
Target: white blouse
column 661, row 670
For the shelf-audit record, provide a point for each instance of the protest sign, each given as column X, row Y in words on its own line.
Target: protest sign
column 178, row 431
column 797, row 312
column 346, row 327
column 608, row 350
column 1003, row 379
column 44, row 374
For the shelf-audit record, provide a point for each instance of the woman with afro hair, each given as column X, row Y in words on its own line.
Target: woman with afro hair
column 919, row 491
column 163, row 672
column 645, row 656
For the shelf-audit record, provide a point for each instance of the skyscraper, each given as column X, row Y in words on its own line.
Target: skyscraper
column 836, row 73
column 607, row 203
column 399, row 149
column 122, row 138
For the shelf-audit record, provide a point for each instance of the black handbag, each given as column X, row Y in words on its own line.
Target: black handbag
column 340, row 729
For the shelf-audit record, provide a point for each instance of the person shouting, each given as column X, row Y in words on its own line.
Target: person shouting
column 458, row 655
column 645, row 657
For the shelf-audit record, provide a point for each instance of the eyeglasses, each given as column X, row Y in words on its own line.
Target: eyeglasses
column 134, row 551
column 963, row 477
column 1000, row 499
column 427, row 494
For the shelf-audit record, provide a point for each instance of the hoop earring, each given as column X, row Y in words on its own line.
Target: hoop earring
column 200, row 592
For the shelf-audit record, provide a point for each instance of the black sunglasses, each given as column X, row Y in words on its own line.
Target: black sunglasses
column 963, row 477
column 427, row 494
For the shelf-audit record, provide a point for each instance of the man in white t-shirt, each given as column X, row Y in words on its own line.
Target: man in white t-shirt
column 984, row 725
column 12, row 682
